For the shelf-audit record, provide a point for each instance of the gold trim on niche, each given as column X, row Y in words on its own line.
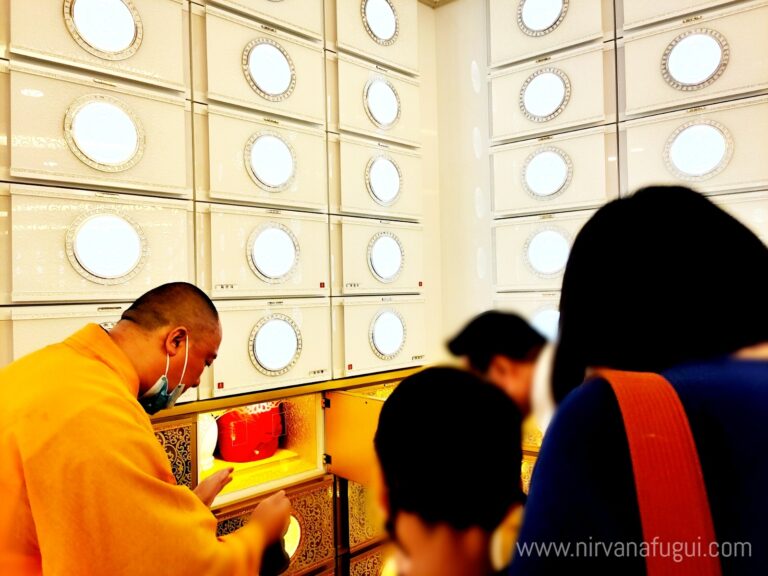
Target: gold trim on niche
column 252, row 340
column 249, row 168
column 249, row 252
column 566, row 97
column 376, row 351
column 252, row 81
column 69, row 118
column 538, row 33
column 369, row 185
column 530, row 239
column 69, row 20
column 370, row 115
column 367, row 27
column 725, row 55
column 569, row 172
column 75, row 228
column 372, row 242
column 729, row 144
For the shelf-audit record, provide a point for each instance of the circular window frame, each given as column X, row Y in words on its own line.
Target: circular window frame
column 569, row 172
column 69, row 118
column 252, row 340
column 368, row 112
column 69, row 247
column 371, row 244
column 538, row 33
column 566, row 97
column 526, row 246
column 252, row 82
column 369, row 185
column 375, row 350
column 725, row 58
column 249, row 252
column 247, row 159
column 373, row 36
column 138, row 37
column 676, row 172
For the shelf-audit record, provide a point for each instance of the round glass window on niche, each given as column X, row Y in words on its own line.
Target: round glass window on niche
column 698, row 150
column 109, row 29
column 273, row 252
column 104, row 133
column 545, row 94
column 546, row 252
column 546, row 322
column 540, row 17
column 275, row 344
column 106, row 247
column 382, row 103
column 695, row 59
column 293, row 536
column 380, row 21
column 387, row 334
column 547, row 172
column 269, row 69
column 270, row 161
column 383, row 180
column 385, row 257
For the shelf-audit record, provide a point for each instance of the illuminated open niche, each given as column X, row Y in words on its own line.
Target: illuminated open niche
column 269, row 444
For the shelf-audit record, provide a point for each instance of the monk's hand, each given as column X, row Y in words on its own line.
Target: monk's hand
column 274, row 514
column 209, row 488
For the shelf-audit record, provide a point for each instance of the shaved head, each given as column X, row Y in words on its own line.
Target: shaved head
column 173, row 304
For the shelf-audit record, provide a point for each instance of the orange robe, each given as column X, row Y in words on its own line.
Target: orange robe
column 85, row 487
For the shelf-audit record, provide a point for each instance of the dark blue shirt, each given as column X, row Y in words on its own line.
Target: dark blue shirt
column 582, row 490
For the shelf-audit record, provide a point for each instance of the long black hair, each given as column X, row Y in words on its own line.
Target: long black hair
column 656, row 279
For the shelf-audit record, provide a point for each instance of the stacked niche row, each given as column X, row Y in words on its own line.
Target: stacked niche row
column 554, row 147
column 685, row 106
column 95, row 162
column 375, row 198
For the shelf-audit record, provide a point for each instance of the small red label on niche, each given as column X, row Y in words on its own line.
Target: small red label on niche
column 322, row 284
column 421, row 283
column 349, row 366
column 220, row 385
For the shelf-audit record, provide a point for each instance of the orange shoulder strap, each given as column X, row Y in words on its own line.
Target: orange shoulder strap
column 672, row 497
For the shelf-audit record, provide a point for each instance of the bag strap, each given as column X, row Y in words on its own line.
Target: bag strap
column 672, row 497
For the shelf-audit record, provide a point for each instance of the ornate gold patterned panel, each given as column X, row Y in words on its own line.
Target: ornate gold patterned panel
column 526, row 472
column 313, row 508
column 179, row 440
column 366, row 523
column 378, row 561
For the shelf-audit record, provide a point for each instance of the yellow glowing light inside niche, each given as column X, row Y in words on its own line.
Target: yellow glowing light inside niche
column 389, row 568
column 292, row 537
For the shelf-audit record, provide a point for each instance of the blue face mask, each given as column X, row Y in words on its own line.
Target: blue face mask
column 158, row 398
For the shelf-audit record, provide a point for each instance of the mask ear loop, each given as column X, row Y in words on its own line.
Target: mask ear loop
column 180, row 387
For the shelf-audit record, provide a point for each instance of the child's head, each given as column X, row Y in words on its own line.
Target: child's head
column 449, row 448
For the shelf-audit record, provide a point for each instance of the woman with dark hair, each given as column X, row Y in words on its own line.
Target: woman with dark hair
column 662, row 281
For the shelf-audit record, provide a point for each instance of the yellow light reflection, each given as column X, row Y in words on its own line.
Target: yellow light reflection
column 292, row 537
